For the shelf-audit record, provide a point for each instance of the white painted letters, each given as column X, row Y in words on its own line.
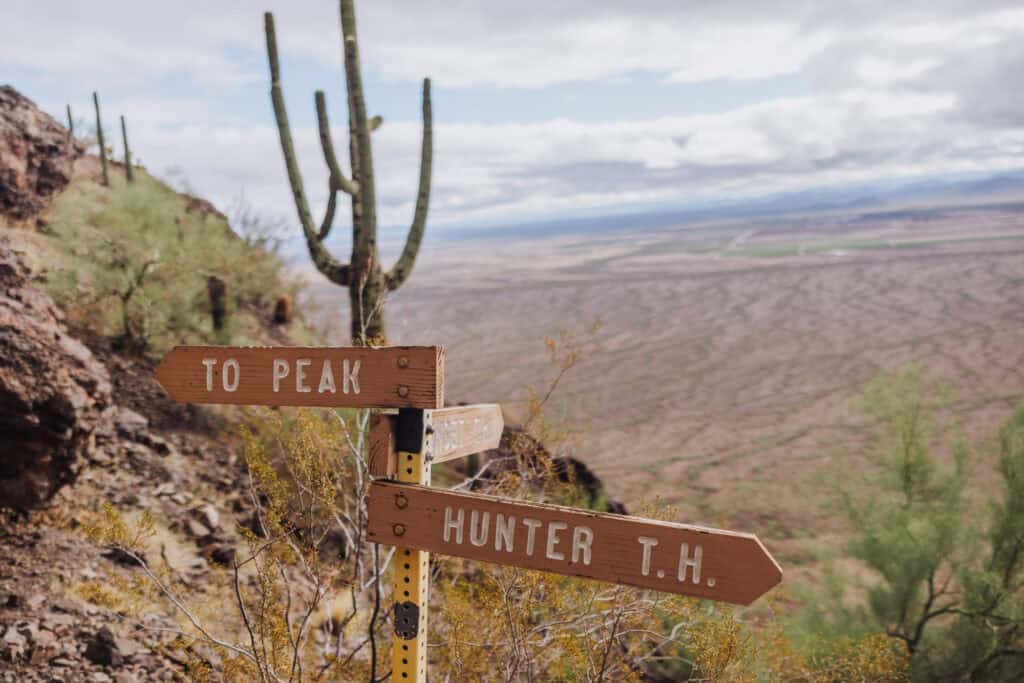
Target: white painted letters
column 582, row 537
column 693, row 562
column 326, row 379
column 350, row 377
column 230, row 366
column 226, row 382
column 478, row 522
column 504, row 532
column 327, row 384
column 647, row 542
column 553, row 529
column 280, row 372
column 531, row 531
column 209, row 363
column 300, row 375
column 547, row 539
column 450, row 524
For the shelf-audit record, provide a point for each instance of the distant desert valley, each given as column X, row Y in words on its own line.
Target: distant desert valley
column 724, row 376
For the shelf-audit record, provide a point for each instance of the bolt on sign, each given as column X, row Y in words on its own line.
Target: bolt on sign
column 355, row 377
column 663, row 556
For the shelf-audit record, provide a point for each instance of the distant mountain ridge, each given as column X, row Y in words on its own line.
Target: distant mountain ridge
column 893, row 195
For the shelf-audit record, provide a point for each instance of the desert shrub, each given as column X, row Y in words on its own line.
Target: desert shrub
column 943, row 575
column 301, row 601
column 135, row 266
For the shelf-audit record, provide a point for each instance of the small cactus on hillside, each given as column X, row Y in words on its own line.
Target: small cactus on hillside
column 366, row 280
column 71, row 123
column 99, row 139
column 127, row 153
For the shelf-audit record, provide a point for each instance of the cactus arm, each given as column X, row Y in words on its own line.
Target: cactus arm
column 364, row 237
column 332, row 201
column 338, row 178
column 333, row 269
column 403, row 267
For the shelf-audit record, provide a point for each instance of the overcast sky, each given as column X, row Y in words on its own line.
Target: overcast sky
column 544, row 108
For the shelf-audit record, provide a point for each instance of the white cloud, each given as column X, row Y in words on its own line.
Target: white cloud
column 891, row 89
column 521, row 170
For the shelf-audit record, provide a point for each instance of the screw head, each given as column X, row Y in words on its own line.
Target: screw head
column 403, row 361
column 398, row 529
column 403, row 391
column 401, row 502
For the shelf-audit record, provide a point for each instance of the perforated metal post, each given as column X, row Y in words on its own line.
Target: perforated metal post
column 412, row 576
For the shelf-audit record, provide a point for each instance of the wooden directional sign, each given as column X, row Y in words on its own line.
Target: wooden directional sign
column 674, row 558
column 357, row 377
column 450, row 432
column 465, row 430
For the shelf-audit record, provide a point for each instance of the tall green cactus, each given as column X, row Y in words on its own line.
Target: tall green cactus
column 367, row 282
column 71, row 123
column 99, row 139
column 127, row 154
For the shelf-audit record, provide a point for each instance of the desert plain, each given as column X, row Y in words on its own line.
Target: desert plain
column 724, row 375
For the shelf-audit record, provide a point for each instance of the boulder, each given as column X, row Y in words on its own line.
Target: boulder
column 102, row 648
column 520, row 451
column 36, row 156
column 54, row 395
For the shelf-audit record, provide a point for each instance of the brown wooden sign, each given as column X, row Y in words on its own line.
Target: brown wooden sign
column 464, row 430
column 444, row 434
column 357, row 377
column 674, row 558
column 383, row 461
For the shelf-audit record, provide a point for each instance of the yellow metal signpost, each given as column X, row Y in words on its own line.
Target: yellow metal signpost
column 403, row 510
column 411, row 588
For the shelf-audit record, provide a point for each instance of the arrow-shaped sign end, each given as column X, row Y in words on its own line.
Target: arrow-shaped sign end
column 766, row 569
column 162, row 372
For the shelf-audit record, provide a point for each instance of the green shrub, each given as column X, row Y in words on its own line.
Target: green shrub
column 945, row 580
column 135, row 267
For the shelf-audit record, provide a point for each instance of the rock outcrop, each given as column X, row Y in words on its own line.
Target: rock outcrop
column 36, row 156
column 54, row 395
column 519, row 451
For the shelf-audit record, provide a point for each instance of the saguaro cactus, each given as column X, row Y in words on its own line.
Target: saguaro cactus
column 99, row 139
column 71, row 123
column 127, row 154
column 367, row 282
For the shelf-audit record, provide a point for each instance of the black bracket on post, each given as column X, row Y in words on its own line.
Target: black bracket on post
column 407, row 620
column 409, row 435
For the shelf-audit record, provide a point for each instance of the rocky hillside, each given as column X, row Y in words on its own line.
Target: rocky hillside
column 87, row 426
column 37, row 156
column 84, row 423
